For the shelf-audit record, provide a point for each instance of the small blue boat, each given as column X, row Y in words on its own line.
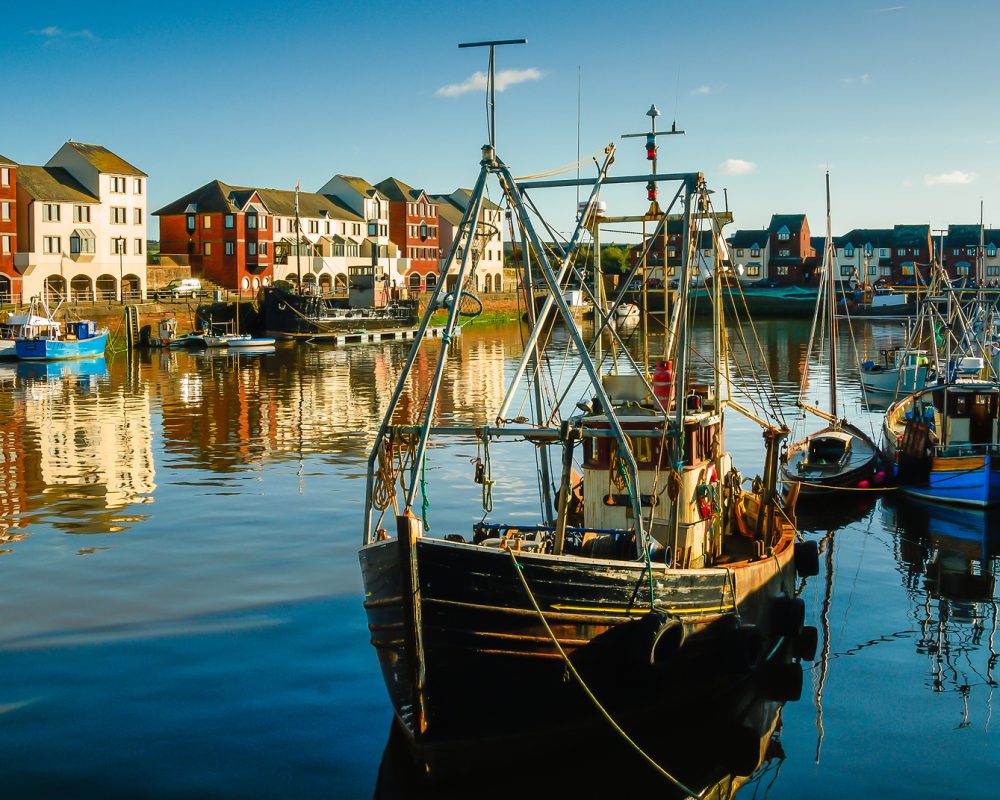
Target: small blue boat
column 81, row 340
column 945, row 443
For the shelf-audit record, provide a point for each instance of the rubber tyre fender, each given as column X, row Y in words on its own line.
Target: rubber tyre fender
column 806, row 559
column 806, row 643
column 788, row 615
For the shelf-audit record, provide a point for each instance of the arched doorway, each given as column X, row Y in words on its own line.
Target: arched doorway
column 488, row 284
column 340, row 283
column 431, row 280
column 325, row 283
column 308, row 279
column 81, row 289
column 497, row 283
column 107, row 288
column 5, row 290
column 55, row 289
column 132, row 287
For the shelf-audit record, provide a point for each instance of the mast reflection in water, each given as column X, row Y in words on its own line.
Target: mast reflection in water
column 213, row 643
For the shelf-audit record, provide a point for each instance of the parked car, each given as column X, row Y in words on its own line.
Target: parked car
column 765, row 283
column 179, row 287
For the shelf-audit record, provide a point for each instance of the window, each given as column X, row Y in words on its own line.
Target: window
column 671, row 271
column 885, row 272
column 849, row 251
column 251, row 221
column 252, row 248
column 961, row 270
column 868, row 251
column 845, row 272
column 992, row 270
column 991, row 250
column 137, row 247
column 313, row 226
column 4, row 176
column 971, row 251
column 118, row 215
column 230, row 248
column 78, row 245
column 207, row 249
column 81, row 213
column 883, row 251
column 901, row 251
column 755, row 252
column 190, row 223
column 5, row 211
column 753, row 271
column 352, row 248
column 783, row 236
column 373, row 228
column 137, row 216
column 118, row 246
column 263, row 248
column 117, row 185
column 784, row 253
column 338, row 248
column 137, row 186
column 872, row 269
column 739, row 253
column 907, row 270
column 206, row 222
column 277, row 224
column 956, row 252
column 50, row 212
column 4, row 244
column 263, row 223
column 51, row 244
column 782, row 270
column 228, row 221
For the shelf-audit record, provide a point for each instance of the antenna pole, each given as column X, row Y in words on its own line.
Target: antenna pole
column 491, row 84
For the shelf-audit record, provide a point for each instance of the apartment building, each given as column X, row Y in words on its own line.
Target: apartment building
column 414, row 225
column 81, row 226
column 487, row 255
column 10, row 279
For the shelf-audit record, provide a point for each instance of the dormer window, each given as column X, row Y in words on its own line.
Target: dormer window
column 755, row 252
column 868, row 251
column 783, row 234
column 849, row 251
column 991, row 250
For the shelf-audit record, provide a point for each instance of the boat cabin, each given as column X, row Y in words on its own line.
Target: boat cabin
column 963, row 418
column 827, row 451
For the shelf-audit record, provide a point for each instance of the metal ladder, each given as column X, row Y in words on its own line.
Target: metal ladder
column 131, row 327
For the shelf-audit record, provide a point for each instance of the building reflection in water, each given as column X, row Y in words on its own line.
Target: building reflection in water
column 77, row 448
column 949, row 557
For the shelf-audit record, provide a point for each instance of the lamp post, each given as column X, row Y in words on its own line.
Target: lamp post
column 120, row 247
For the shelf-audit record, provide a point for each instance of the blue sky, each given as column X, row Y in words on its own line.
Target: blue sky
column 897, row 98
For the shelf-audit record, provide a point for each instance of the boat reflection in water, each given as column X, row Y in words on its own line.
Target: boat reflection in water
column 714, row 744
column 950, row 555
column 54, row 370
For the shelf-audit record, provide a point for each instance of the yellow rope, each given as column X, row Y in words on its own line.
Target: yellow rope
column 559, row 170
column 597, row 703
column 845, row 488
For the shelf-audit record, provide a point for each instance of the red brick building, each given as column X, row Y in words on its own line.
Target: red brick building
column 911, row 254
column 413, row 227
column 223, row 232
column 10, row 280
column 790, row 249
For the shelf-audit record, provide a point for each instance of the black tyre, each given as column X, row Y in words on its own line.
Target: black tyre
column 806, row 643
column 806, row 559
column 789, row 615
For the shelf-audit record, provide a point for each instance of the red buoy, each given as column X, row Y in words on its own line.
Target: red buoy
column 663, row 382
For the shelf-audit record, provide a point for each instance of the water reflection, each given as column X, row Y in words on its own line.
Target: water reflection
column 949, row 558
column 713, row 744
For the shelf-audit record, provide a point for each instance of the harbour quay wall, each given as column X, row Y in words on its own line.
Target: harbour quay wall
column 496, row 305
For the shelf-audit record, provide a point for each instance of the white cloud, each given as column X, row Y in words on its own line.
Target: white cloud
column 864, row 79
column 53, row 33
column 736, row 166
column 703, row 89
column 954, row 178
column 890, row 8
column 477, row 81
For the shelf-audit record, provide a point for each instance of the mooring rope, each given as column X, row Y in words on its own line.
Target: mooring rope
column 586, row 689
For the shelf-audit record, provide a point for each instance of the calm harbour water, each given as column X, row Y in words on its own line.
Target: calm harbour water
column 181, row 600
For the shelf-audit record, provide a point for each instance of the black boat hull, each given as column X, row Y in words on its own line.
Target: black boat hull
column 465, row 655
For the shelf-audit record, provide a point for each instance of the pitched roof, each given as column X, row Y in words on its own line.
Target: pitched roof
column 962, row 236
column 911, row 235
column 395, row 189
column 859, row 237
column 103, row 160
column 53, row 183
column 359, row 184
column 213, row 196
column 793, row 222
column 749, row 239
column 467, row 194
column 7, row 162
column 448, row 210
column 218, row 197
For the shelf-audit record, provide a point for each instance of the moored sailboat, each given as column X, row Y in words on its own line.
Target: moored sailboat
column 839, row 455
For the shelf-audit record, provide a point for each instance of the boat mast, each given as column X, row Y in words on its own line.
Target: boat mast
column 831, row 302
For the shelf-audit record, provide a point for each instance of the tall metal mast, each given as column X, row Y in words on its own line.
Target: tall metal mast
column 491, row 84
column 831, row 301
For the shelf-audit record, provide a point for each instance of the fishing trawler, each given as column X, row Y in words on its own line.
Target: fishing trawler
column 652, row 560
column 840, row 455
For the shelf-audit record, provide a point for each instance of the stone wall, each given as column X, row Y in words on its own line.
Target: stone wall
column 159, row 275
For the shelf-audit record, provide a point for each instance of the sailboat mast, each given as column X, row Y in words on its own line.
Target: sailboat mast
column 831, row 302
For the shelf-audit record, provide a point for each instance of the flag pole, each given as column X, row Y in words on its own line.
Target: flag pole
column 298, row 238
